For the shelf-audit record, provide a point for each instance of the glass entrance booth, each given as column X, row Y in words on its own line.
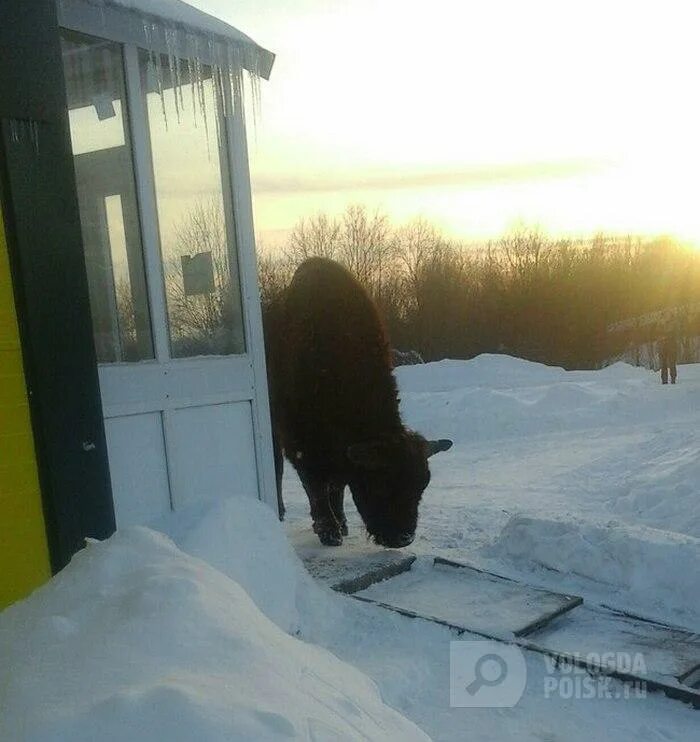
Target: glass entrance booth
column 155, row 93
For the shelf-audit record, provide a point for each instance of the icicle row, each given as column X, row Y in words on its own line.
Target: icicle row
column 226, row 62
column 234, row 68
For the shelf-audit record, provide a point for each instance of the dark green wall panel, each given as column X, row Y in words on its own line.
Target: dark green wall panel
column 43, row 226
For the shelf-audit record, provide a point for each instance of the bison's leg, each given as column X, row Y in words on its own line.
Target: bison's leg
column 279, row 471
column 326, row 525
column 336, row 496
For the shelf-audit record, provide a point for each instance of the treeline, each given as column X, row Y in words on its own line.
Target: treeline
column 526, row 294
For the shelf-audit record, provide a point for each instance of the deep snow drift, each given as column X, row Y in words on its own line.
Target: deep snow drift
column 137, row 641
column 584, row 482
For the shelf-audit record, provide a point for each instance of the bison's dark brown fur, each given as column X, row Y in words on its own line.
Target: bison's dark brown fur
column 335, row 407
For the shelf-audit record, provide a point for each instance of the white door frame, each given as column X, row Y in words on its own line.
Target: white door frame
column 163, row 379
column 239, row 172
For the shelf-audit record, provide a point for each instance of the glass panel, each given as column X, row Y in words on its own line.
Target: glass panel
column 194, row 214
column 109, row 217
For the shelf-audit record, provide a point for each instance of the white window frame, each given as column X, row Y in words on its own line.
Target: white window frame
column 121, row 26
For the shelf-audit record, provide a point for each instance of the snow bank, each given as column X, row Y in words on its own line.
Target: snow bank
column 493, row 397
column 242, row 538
column 658, row 569
column 661, row 490
column 135, row 640
column 496, row 371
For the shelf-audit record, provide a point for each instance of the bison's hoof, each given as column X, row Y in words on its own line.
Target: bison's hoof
column 344, row 528
column 330, row 538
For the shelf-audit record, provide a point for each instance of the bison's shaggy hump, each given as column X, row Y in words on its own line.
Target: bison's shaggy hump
column 337, row 371
column 335, row 407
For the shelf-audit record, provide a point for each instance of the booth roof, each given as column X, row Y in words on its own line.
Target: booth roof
column 180, row 13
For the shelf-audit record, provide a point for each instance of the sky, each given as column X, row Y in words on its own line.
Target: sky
column 572, row 115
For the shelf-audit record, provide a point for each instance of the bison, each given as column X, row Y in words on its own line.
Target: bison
column 335, row 408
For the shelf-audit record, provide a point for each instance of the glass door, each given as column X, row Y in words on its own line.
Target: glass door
column 177, row 373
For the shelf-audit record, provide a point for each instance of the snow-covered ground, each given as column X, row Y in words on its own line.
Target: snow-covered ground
column 138, row 641
column 582, row 482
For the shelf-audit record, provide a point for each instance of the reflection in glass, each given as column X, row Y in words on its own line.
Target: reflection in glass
column 109, row 217
column 194, row 217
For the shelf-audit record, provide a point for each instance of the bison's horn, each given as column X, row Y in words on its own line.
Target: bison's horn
column 444, row 444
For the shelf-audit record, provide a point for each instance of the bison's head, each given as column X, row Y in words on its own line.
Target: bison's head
column 388, row 479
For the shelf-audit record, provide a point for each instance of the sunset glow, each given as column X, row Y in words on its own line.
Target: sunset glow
column 578, row 117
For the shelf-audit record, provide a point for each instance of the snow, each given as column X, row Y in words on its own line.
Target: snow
column 137, row 641
column 199, row 47
column 176, row 11
column 643, row 561
column 580, row 482
column 663, row 652
column 247, row 555
column 583, row 481
column 464, row 597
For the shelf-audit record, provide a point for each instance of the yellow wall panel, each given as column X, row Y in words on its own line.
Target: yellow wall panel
column 24, row 556
column 11, row 363
column 16, row 477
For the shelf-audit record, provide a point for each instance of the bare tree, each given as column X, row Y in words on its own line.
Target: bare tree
column 367, row 246
column 417, row 244
column 126, row 319
column 209, row 322
column 526, row 294
column 523, row 248
column 275, row 271
column 317, row 236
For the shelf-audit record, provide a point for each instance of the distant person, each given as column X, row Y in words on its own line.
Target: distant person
column 668, row 352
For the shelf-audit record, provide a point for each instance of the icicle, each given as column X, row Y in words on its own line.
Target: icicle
column 219, row 102
column 147, row 32
column 161, row 85
column 146, row 27
column 254, row 83
column 154, row 64
column 232, row 76
column 234, row 65
column 170, row 45
column 178, row 80
column 199, row 71
column 191, row 64
column 231, row 66
column 224, row 88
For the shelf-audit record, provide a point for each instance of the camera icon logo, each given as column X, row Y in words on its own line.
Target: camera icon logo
column 486, row 674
